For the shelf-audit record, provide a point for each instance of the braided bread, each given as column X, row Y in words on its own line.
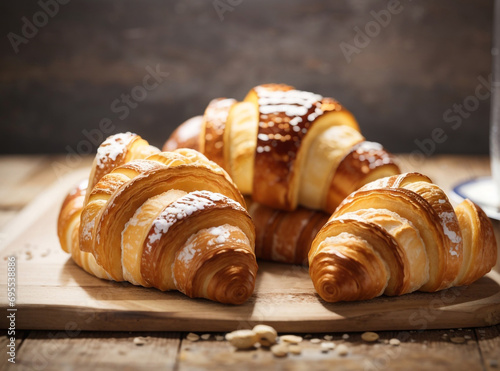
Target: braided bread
column 170, row 220
column 286, row 147
column 397, row 235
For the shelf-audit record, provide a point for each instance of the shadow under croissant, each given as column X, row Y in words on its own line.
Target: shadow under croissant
column 125, row 292
column 424, row 308
column 279, row 286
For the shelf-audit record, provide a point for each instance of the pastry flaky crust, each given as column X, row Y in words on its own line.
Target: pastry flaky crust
column 397, row 235
column 170, row 220
column 286, row 147
column 285, row 236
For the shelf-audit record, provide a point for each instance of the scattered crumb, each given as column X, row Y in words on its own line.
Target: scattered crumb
column 342, row 350
column 369, row 336
column 386, row 341
column 292, row 339
column 205, row 336
column 315, row 341
column 467, row 337
column 345, row 336
column 412, row 340
column 139, row 340
column 308, row 336
column 457, row 340
column 219, row 337
column 279, row 350
column 328, row 345
column 328, row 337
column 192, row 337
column 45, row 253
column 29, row 255
column 394, row 342
column 295, row 349
column 445, row 335
column 452, row 330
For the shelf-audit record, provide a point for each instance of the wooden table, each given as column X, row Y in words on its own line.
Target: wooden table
column 24, row 177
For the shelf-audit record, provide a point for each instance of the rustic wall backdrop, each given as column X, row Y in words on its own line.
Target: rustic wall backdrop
column 409, row 70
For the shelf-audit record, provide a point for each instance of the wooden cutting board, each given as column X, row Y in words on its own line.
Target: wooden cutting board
column 55, row 294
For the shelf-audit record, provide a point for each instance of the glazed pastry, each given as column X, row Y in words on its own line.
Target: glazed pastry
column 284, row 236
column 397, row 235
column 286, row 147
column 173, row 221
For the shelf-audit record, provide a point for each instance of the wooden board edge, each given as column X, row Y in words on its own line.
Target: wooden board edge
column 31, row 212
column 60, row 318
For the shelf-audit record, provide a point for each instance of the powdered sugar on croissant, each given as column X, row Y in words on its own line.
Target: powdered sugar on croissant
column 407, row 227
column 152, row 219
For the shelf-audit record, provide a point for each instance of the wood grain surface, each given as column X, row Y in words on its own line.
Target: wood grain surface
column 75, row 349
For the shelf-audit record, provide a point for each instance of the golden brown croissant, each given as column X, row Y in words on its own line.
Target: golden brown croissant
column 173, row 220
column 286, row 147
column 397, row 235
column 285, row 236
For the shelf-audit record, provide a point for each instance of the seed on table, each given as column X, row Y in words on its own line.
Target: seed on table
column 328, row 345
column 219, row 337
column 242, row 339
column 328, row 337
column 395, row 342
column 295, row 349
column 342, row 350
column 292, row 339
column 457, row 340
column 467, row 337
column 139, row 340
column 266, row 335
column 315, row 341
column 205, row 336
column 370, row 336
column 345, row 336
column 279, row 350
column 192, row 337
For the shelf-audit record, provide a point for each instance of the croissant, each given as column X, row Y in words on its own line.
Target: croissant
column 397, row 235
column 169, row 220
column 286, row 147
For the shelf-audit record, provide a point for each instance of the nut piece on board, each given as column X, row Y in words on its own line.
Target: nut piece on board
column 266, row 335
column 291, row 339
column 192, row 337
column 295, row 349
column 342, row 350
column 242, row 339
column 279, row 350
column 369, row 336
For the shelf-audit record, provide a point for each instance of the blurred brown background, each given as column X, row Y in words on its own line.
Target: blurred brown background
column 401, row 83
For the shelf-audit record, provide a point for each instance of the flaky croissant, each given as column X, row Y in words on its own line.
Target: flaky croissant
column 173, row 221
column 286, row 147
column 397, row 235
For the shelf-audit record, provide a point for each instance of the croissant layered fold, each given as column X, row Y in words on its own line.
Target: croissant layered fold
column 397, row 235
column 170, row 220
column 285, row 147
